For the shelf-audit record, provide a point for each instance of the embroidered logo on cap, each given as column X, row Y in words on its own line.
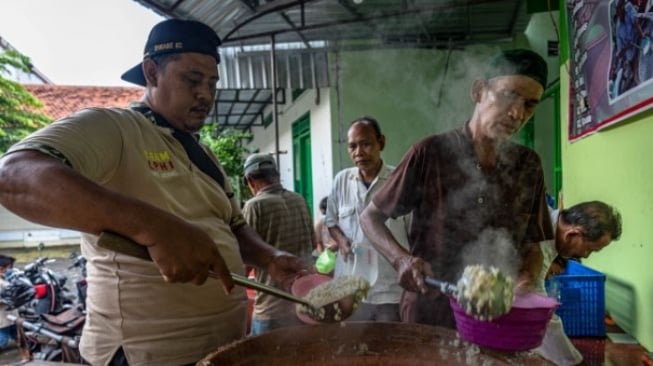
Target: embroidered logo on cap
column 168, row 46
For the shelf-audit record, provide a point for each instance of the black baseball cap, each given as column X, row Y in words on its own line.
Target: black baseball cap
column 176, row 36
column 519, row 62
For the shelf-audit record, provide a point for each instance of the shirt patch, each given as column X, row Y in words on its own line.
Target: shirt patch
column 159, row 161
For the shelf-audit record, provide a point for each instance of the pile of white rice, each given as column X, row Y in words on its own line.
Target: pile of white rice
column 485, row 293
column 328, row 293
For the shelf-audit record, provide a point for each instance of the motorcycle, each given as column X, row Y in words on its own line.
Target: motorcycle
column 18, row 292
column 51, row 295
column 79, row 261
column 49, row 337
column 49, row 324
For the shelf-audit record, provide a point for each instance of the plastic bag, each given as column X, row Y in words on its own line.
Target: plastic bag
column 326, row 262
column 365, row 262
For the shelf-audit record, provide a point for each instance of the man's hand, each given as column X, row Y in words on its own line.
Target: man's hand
column 185, row 253
column 342, row 241
column 332, row 245
column 411, row 271
column 284, row 268
column 344, row 247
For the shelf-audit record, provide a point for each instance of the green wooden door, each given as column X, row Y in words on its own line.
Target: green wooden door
column 302, row 173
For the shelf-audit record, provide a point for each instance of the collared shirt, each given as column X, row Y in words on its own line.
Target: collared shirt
column 457, row 205
column 282, row 219
column 347, row 200
column 129, row 305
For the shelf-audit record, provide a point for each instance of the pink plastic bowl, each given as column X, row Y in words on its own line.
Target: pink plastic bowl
column 302, row 286
column 521, row 329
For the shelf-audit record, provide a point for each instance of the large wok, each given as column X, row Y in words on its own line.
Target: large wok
column 362, row 343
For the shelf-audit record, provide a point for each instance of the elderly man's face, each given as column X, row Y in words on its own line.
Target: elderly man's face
column 185, row 89
column 364, row 146
column 506, row 103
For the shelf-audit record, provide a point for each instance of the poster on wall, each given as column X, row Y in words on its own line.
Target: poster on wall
column 611, row 62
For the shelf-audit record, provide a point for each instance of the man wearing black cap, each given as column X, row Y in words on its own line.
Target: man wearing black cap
column 139, row 172
column 466, row 185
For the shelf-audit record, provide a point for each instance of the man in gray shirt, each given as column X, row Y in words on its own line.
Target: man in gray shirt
column 353, row 189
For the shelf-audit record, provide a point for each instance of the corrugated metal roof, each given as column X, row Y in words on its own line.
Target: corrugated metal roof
column 433, row 22
column 240, row 108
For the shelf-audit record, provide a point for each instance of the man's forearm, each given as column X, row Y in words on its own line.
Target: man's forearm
column 337, row 234
column 254, row 250
column 42, row 189
column 372, row 222
column 532, row 263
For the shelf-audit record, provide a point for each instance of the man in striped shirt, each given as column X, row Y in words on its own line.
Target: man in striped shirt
column 282, row 219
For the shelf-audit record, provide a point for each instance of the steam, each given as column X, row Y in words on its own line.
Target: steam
column 494, row 247
column 450, row 91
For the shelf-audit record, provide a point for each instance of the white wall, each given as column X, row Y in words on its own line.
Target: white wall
column 321, row 142
column 18, row 232
column 541, row 29
column 322, row 150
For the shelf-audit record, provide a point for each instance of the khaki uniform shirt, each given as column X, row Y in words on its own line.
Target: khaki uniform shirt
column 129, row 305
column 281, row 218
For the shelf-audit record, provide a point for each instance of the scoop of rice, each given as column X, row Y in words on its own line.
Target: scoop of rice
column 485, row 293
column 328, row 293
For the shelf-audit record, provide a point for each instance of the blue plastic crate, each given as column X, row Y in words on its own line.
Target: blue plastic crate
column 581, row 291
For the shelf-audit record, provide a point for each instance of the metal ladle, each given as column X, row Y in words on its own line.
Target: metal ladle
column 475, row 306
column 344, row 306
column 349, row 290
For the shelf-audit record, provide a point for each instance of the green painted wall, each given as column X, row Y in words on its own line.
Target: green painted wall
column 542, row 29
column 614, row 166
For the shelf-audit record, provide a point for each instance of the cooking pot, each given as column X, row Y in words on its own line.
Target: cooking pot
column 360, row 344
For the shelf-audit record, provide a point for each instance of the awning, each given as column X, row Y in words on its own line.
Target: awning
column 304, row 31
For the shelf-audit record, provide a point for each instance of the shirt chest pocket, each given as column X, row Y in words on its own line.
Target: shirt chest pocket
column 348, row 221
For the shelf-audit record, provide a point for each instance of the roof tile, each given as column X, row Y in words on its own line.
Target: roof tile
column 62, row 100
